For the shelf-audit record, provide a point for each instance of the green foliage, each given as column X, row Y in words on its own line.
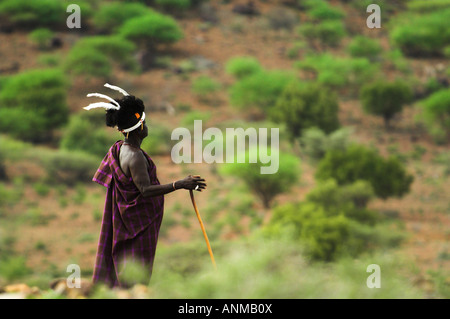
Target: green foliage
column 327, row 33
column 112, row 15
column 13, row 268
column 364, row 47
column 205, row 87
column 388, row 177
column 158, row 141
column 339, row 72
column 259, row 90
column 305, row 105
column 434, row 33
column 322, row 10
column 33, row 104
column 436, row 115
column 428, row 5
column 385, row 98
column 265, row 186
column 41, row 37
column 151, row 29
column 36, row 13
column 243, row 66
column 84, row 133
column 92, row 56
column 316, row 143
column 69, row 167
column 175, row 6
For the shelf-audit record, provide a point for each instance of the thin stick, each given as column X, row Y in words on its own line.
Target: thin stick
column 203, row 229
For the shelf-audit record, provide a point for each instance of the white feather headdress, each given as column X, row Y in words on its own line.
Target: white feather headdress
column 105, row 105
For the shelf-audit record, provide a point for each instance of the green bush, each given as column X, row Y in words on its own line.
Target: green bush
column 93, row 56
column 151, row 29
column 305, row 105
column 174, row 6
column 85, row 133
column 316, row 143
column 205, row 87
column 328, row 33
column 388, row 177
column 244, row 66
column 69, row 167
column 265, row 186
column 112, row 15
column 259, row 90
column 365, row 47
column 158, row 141
column 422, row 6
column 433, row 37
column 41, row 37
column 385, row 98
column 436, row 115
column 33, row 104
column 13, row 268
column 37, row 13
column 322, row 10
column 339, row 72
column 40, row 13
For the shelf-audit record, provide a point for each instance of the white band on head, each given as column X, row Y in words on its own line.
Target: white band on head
column 134, row 126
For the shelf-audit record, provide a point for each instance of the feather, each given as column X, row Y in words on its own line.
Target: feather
column 104, row 97
column 116, row 88
column 105, row 105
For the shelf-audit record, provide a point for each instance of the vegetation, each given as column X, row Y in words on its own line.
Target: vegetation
column 388, row 177
column 302, row 106
column 33, row 104
column 436, row 114
column 385, row 98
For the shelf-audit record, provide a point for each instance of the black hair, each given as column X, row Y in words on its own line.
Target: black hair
column 125, row 117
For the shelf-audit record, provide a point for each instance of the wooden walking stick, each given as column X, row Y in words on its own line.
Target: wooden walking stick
column 203, row 229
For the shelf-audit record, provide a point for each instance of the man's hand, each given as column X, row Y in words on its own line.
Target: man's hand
column 191, row 182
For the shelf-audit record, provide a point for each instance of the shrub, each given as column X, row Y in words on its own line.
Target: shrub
column 388, row 177
column 307, row 105
column 265, row 186
column 385, row 98
column 69, row 167
column 158, row 142
column 322, row 10
column 112, row 15
column 13, row 268
column 33, row 104
column 431, row 39
column 338, row 72
column 205, row 87
column 41, row 37
column 151, row 29
column 244, row 66
column 37, row 13
column 259, row 90
column 361, row 46
column 428, row 5
column 174, row 6
column 92, row 56
column 436, row 115
column 328, row 33
column 83, row 134
column 316, row 143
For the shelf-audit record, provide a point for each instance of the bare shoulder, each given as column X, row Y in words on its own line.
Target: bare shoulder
column 132, row 159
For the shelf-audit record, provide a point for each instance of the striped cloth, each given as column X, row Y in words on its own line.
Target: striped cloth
column 130, row 224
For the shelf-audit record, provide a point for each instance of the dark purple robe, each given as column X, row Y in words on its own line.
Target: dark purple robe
column 130, row 224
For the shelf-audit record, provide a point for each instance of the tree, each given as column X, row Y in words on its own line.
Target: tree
column 265, row 186
column 305, row 105
column 385, row 98
column 388, row 177
column 33, row 104
column 436, row 114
